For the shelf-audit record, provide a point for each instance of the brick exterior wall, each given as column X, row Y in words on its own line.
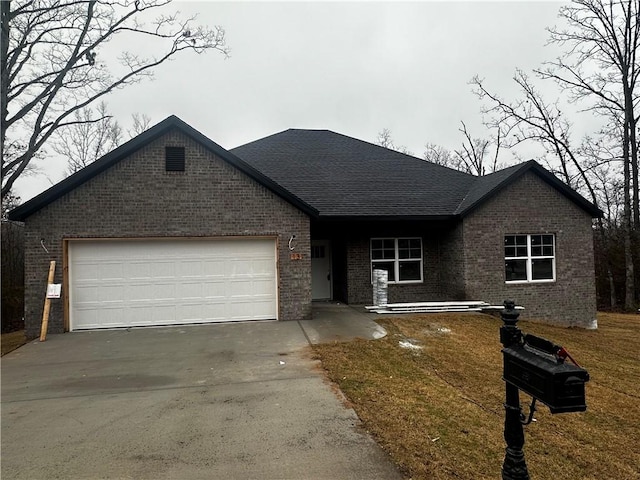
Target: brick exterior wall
column 452, row 264
column 530, row 206
column 360, row 290
column 138, row 198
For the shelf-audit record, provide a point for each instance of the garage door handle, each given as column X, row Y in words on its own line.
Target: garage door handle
column 328, row 277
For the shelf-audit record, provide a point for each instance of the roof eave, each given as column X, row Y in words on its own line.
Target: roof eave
column 385, row 218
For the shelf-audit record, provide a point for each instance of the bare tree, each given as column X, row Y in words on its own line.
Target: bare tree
column 602, row 40
column 385, row 140
column 532, row 119
column 93, row 135
column 89, row 138
column 9, row 202
column 141, row 122
column 440, row 156
column 52, row 64
column 475, row 155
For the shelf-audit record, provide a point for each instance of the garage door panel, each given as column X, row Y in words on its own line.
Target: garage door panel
column 162, row 268
column 136, row 283
column 109, row 293
column 161, row 291
column 110, row 271
column 137, row 270
column 190, row 269
column 214, row 289
column 190, row 290
column 163, row 314
column 87, row 271
column 84, row 294
column 213, row 268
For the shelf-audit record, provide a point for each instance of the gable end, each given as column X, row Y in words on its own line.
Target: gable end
column 490, row 185
column 107, row 161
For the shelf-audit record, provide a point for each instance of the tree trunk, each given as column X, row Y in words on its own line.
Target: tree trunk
column 5, row 11
column 606, row 251
column 634, row 172
column 629, row 291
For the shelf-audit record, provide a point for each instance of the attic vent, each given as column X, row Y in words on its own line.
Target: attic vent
column 174, row 159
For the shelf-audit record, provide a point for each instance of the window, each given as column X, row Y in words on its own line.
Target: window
column 317, row 251
column 401, row 257
column 174, row 159
column 529, row 258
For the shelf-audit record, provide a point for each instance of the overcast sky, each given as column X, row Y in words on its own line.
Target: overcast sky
column 354, row 68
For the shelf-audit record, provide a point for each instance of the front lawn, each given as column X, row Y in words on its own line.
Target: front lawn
column 437, row 410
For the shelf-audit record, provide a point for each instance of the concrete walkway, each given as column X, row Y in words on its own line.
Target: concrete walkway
column 336, row 322
column 228, row 401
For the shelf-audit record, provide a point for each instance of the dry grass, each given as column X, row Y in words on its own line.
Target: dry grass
column 11, row 341
column 438, row 411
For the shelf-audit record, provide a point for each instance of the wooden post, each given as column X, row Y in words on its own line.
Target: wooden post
column 47, row 303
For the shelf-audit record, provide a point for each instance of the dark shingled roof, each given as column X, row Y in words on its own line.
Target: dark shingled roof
column 344, row 177
column 329, row 175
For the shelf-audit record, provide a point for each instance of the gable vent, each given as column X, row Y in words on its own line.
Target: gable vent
column 174, row 159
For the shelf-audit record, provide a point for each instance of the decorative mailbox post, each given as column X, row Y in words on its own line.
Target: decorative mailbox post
column 537, row 367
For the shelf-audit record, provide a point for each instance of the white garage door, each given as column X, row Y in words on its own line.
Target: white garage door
column 168, row 282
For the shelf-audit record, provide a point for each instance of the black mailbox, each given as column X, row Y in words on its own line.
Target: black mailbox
column 537, row 367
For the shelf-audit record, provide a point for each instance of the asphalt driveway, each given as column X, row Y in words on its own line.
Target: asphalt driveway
column 200, row 402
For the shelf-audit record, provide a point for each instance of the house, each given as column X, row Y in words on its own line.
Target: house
column 171, row 228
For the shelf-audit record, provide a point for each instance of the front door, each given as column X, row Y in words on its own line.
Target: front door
column 320, row 270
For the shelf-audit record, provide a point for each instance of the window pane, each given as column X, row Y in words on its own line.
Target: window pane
column 383, row 249
column 542, row 245
column 409, row 271
column 515, row 270
column 409, row 248
column 317, row 251
column 515, row 246
column 542, row 269
column 388, row 266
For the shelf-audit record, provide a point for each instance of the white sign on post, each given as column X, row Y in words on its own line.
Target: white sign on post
column 53, row 290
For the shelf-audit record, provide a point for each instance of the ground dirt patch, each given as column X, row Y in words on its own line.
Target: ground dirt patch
column 438, row 410
column 13, row 340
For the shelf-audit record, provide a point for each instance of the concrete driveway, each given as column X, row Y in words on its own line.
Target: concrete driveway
column 213, row 401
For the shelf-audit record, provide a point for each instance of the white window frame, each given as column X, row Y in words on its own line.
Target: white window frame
column 397, row 260
column 530, row 258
